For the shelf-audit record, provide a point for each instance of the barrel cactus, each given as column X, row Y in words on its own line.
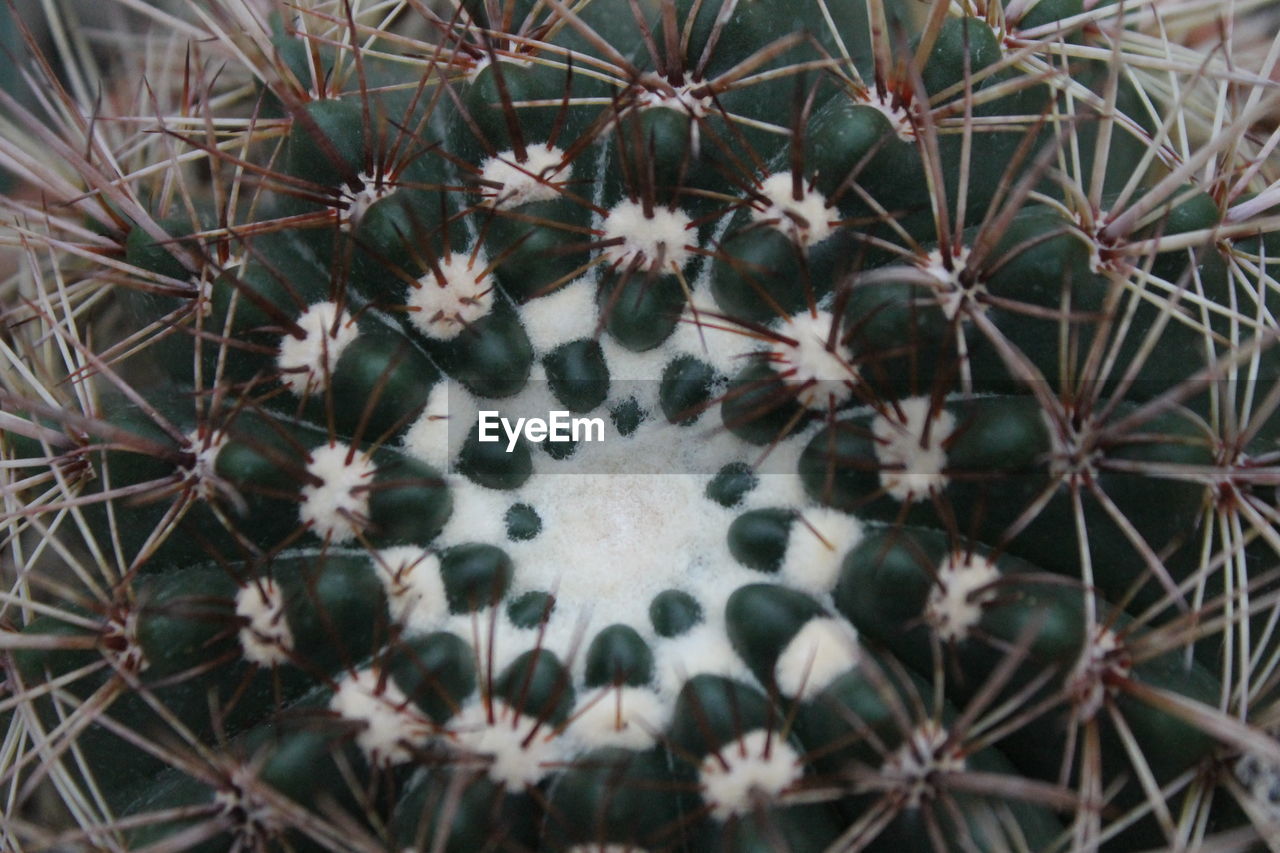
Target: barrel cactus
column 642, row 425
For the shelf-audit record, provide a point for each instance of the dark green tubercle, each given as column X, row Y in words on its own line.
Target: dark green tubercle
column 762, row 619
column 731, row 483
column 475, row 576
column 490, row 464
column 758, row 538
column 686, row 389
column 538, row 686
column 618, row 655
column 523, row 522
column 437, row 672
column 578, row 375
column 531, row 609
column 674, row 612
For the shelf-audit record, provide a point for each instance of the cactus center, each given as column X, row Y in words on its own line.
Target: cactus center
column 613, row 539
column 621, row 521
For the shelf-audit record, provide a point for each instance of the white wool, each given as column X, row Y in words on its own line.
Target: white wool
column 779, row 484
column 204, row 465
column 1260, row 776
column 819, row 539
column 820, row 652
column 336, row 509
column 809, row 362
column 390, row 722
column 681, row 98
column 442, row 311
column 566, row 314
column 1101, row 661
column 267, row 639
column 359, row 201
column 612, row 521
column 509, row 641
column 963, row 587
column 640, row 369
column 622, row 520
column 627, row 717
column 760, row 764
column 908, row 470
column 925, row 754
column 306, row 364
column 415, row 589
column 609, row 543
column 703, row 650
column 807, row 221
column 428, row 439
column 702, row 334
column 658, row 242
column 517, row 749
column 538, row 178
column 479, row 514
column 952, row 294
column 247, row 813
column 898, row 117
column 776, row 488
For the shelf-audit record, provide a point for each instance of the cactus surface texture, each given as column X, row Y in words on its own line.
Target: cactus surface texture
column 899, row 461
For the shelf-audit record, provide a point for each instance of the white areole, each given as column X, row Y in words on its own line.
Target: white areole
column 506, row 182
column 335, row 509
column 306, row 363
column 441, row 307
column 654, row 243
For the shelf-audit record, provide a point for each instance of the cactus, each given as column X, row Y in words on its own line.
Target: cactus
column 911, row 480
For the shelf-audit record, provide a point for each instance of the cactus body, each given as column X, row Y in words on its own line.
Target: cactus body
column 917, row 480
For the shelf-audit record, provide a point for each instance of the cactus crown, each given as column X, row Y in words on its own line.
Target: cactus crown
column 644, row 425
